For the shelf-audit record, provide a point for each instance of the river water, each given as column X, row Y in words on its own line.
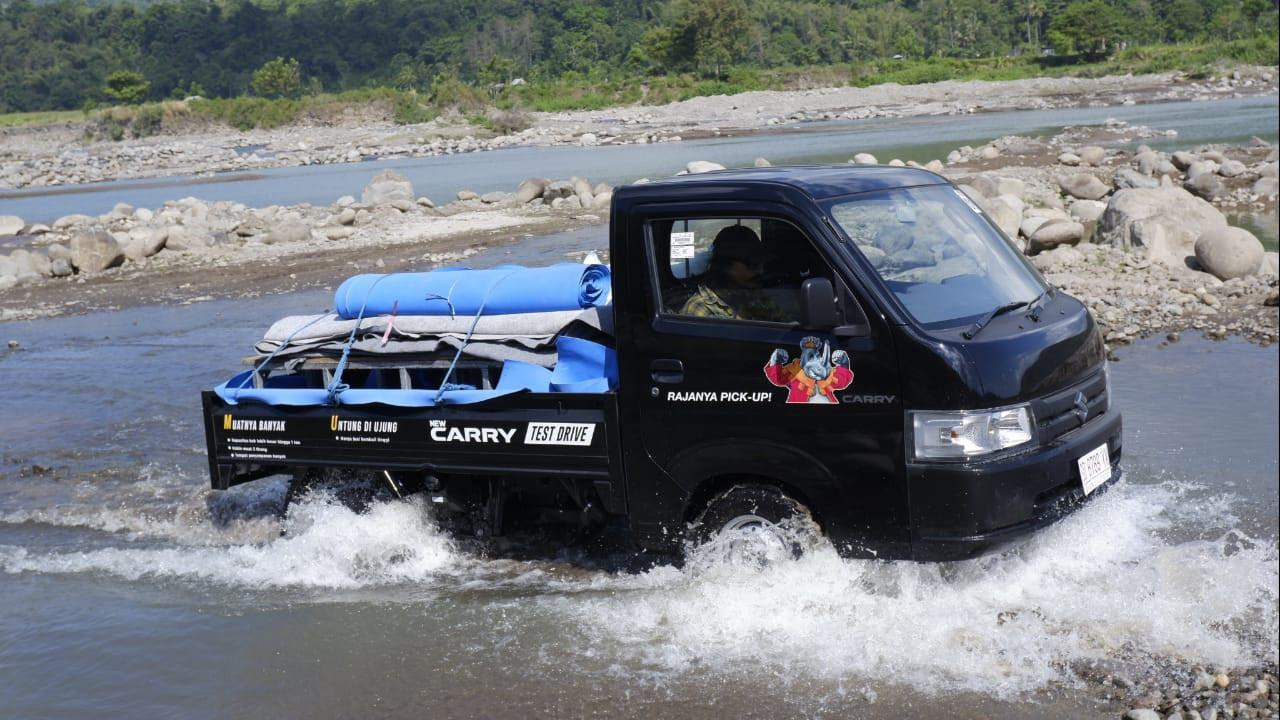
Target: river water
column 921, row 139
column 128, row 589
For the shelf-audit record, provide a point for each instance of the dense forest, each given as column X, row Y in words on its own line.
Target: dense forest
column 66, row 53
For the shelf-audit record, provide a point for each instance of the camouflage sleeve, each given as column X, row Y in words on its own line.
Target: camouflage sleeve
column 705, row 303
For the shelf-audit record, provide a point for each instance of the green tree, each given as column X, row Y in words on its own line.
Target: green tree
column 127, row 86
column 278, row 78
column 720, row 30
column 1088, row 27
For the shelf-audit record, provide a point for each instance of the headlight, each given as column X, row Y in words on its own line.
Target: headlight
column 958, row 435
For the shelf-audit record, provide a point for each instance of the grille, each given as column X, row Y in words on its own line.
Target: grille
column 1057, row 414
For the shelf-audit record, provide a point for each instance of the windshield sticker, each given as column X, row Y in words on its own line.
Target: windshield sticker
column 682, row 246
column 815, row 376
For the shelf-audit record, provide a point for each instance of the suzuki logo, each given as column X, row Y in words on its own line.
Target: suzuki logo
column 1082, row 407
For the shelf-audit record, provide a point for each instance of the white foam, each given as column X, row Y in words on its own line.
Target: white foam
column 1101, row 584
column 326, row 545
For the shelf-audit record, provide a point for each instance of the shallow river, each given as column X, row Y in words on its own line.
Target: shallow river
column 127, row 589
column 921, row 139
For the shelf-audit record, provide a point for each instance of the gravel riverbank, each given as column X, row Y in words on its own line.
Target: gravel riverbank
column 58, row 155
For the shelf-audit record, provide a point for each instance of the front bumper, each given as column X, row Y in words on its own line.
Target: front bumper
column 964, row 510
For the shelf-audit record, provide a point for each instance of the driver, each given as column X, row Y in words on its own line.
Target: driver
column 734, row 280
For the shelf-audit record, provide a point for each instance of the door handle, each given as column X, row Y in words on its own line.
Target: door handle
column 667, row 372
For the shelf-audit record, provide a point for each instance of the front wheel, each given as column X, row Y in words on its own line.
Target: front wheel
column 754, row 525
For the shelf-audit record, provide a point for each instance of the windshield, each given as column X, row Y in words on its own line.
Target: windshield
column 943, row 261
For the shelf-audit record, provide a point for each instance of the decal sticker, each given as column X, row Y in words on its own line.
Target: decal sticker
column 682, row 246
column 717, row 396
column 553, row 433
column 442, row 432
column 815, row 376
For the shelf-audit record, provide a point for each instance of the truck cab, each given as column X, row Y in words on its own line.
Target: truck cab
column 856, row 346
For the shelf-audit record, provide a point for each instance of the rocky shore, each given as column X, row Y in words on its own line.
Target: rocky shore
column 58, row 155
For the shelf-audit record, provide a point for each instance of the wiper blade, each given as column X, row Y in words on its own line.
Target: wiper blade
column 1037, row 305
column 986, row 320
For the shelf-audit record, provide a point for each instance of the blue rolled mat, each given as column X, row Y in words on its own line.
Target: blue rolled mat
column 506, row 290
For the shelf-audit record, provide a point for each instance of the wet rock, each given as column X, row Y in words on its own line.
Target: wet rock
column 864, row 159
column 387, row 187
column 1083, row 186
column 694, row 167
column 1229, row 252
column 582, row 188
column 761, row 162
column 1206, row 186
column 557, row 190
column 530, row 190
column 1126, row 178
column 1092, row 155
column 95, row 251
column 11, row 225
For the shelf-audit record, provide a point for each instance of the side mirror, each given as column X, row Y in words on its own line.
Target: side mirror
column 818, row 304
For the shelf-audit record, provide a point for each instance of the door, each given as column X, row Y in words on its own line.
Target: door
column 725, row 383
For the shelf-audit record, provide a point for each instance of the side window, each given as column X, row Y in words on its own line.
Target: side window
column 739, row 268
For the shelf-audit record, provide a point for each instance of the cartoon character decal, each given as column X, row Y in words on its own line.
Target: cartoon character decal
column 815, row 376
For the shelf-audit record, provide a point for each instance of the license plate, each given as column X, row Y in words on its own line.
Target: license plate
column 1095, row 468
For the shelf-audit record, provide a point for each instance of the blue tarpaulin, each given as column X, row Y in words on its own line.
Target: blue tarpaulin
column 582, row 366
column 506, row 290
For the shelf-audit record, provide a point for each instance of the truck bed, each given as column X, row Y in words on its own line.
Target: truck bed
column 524, row 434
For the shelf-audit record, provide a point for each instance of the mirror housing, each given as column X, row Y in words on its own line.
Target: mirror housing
column 818, row 304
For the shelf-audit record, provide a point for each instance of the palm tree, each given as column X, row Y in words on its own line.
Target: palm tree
column 1035, row 11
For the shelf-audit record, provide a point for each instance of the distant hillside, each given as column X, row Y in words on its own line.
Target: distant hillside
column 62, row 54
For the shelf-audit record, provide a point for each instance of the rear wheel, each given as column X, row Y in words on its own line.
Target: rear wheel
column 752, row 525
column 354, row 489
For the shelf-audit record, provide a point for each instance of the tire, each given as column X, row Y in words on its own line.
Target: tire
column 751, row 525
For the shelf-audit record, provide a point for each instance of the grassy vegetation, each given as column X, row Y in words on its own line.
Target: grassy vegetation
column 49, row 117
column 506, row 111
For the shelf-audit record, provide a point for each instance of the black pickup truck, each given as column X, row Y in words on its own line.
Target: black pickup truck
column 859, row 345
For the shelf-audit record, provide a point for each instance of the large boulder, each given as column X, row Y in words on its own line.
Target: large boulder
column 289, row 231
column 10, row 225
column 148, row 241
column 582, row 188
column 8, row 268
column 1054, row 233
column 1006, row 217
column 861, row 159
column 1232, row 168
column 1206, row 185
column 1201, row 167
column 386, row 187
column 700, row 166
column 1087, row 211
column 95, row 251
column 30, row 263
column 1164, row 222
column 602, row 201
column 188, row 238
column 530, row 190
column 558, row 190
column 1266, row 186
column 1182, row 159
column 1083, row 186
column 1229, row 252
